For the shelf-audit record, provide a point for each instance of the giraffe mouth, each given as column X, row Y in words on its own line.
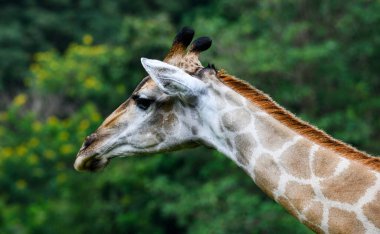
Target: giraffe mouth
column 90, row 163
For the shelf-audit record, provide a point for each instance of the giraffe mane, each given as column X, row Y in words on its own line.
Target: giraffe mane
column 290, row 120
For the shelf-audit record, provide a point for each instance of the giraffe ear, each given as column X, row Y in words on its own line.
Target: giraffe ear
column 173, row 80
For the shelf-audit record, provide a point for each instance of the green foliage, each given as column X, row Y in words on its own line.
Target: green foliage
column 64, row 66
column 83, row 73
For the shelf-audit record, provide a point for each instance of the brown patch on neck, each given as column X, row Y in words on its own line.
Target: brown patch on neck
column 310, row 132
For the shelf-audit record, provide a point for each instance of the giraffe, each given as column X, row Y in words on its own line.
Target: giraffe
column 326, row 184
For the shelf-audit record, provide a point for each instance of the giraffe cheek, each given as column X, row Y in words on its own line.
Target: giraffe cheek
column 171, row 121
column 143, row 141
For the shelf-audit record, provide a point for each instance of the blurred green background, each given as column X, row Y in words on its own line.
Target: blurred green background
column 65, row 65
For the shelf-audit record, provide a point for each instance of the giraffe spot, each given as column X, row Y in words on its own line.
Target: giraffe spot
column 287, row 205
column 157, row 120
column 290, row 208
column 244, row 144
column 350, row 185
column 171, row 122
column 312, row 226
column 233, row 99
column 295, row 159
column 236, row 120
column 341, row 221
column 271, row 133
column 314, row 212
column 167, row 107
column 299, row 195
column 372, row 210
column 324, row 163
column 267, row 174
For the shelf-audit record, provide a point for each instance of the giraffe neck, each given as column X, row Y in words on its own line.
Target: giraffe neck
column 327, row 192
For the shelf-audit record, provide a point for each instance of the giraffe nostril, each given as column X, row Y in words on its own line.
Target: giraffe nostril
column 89, row 140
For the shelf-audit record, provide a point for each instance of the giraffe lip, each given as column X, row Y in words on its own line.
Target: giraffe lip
column 90, row 163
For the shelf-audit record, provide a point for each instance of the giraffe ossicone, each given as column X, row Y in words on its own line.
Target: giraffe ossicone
column 329, row 186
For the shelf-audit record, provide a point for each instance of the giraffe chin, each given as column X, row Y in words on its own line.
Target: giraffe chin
column 91, row 163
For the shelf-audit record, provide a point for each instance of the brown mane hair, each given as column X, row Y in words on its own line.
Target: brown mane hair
column 310, row 132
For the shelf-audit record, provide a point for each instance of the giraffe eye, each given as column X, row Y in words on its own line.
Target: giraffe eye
column 142, row 103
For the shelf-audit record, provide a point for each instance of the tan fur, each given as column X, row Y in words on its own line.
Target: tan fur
column 299, row 194
column 295, row 160
column 372, row 210
column 312, row 133
column 312, row 226
column 175, row 53
column 171, row 121
column 314, row 213
column 245, row 143
column 344, row 222
column 267, row 174
column 178, row 56
column 236, row 120
column 348, row 186
column 324, row 165
column 270, row 135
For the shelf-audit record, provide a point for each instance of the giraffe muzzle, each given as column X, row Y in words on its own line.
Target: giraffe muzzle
column 88, row 159
column 90, row 163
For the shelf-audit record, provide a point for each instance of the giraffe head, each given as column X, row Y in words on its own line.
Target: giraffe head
column 164, row 113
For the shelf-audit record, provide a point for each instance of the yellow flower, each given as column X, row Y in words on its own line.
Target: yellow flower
column 84, row 124
column 36, row 126
column 98, row 50
column 33, row 142
column 52, row 120
column 63, row 136
column 49, row 154
column 42, row 56
column 91, row 83
column 33, row 159
column 87, row 39
column 21, row 150
column 7, row 152
column 66, row 149
column 20, row 100
column 20, row 184
column 95, row 116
